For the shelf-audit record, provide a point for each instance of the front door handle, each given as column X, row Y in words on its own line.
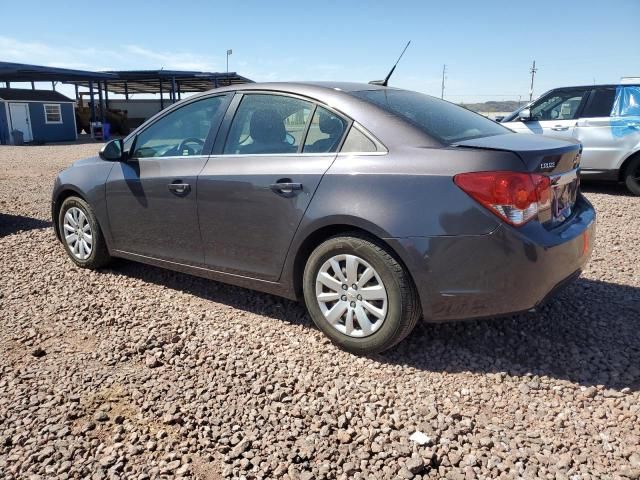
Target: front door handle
column 285, row 187
column 178, row 188
column 559, row 128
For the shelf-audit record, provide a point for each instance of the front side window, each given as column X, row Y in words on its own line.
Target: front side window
column 268, row 124
column 444, row 121
column 325, row 132
column 181, row 133
column 561, row 105
column 52, row 113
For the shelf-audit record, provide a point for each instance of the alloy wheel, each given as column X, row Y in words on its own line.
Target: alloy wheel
column 351, row 295
column 77, row 233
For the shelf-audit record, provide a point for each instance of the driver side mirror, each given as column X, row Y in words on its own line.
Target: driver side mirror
column 525, row 115
column 113, row 151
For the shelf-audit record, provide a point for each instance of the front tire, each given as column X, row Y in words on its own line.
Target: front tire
column 81, row 234
column 632, row 175
column 359, row 295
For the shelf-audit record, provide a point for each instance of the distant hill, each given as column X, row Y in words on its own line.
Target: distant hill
column 493, row 106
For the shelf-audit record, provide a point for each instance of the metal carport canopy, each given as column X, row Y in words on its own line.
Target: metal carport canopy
column 128, row 82
column 20, row 72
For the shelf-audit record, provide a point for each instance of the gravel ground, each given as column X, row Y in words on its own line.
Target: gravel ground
column 137, row 372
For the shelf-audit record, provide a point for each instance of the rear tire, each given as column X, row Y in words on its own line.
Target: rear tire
column 374, row 316
column 632, row 175
column 81, row 235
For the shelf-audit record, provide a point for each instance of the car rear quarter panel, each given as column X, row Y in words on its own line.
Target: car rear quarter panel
column 404, row 194
column 408, row 193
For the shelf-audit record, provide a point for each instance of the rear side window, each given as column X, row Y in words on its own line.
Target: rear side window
column 442, row 120
column 268, row 124
column 358, row 142
column 325, row 132
column 627, row 102
column 600, row 103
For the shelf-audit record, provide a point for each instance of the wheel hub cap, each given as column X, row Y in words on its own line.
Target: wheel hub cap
column 77, row 233
column 351, row 295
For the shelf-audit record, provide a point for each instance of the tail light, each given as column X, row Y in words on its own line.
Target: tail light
column 515, row 197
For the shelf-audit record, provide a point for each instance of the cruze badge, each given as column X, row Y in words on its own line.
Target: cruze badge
column 545, row 165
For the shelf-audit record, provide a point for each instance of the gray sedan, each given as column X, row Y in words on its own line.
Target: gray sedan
column 375, row 205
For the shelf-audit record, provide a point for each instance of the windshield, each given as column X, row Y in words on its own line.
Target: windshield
column 442, row 120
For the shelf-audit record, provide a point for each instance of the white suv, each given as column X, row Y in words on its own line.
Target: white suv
column 604, row 118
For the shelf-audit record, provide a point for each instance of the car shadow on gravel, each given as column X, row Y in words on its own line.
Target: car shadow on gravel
column 607, row 188
column 10, row 224
column 589, row 334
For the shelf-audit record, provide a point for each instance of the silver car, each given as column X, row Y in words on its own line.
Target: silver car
column 604, row 118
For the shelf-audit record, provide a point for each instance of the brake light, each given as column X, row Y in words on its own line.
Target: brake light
column 515, row 197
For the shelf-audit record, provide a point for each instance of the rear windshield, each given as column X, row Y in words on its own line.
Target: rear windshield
column 442, row 120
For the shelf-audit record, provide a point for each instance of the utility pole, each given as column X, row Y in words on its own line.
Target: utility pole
column 533, row 74
column 444, row 71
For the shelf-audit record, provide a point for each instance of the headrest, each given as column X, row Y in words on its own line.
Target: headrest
column 267, row 126
column 329, row 124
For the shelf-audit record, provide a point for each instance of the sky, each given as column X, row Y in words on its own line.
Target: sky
column 487, row 45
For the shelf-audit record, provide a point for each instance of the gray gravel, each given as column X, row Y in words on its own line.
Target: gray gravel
column 136, row 372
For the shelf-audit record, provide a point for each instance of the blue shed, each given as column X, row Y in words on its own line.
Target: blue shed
column 41, row 116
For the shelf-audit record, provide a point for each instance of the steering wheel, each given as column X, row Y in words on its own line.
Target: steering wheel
column 183, row 145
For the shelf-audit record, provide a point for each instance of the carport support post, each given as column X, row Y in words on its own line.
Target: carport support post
column 77, row 95
column 173, row 89
column 92, row 103
column 179, row 92
column 101, row 105
column 161, row 99
column 126, row 90
column 106, row 95
column 33, row 85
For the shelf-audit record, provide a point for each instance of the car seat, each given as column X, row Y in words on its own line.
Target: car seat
column 268, row 134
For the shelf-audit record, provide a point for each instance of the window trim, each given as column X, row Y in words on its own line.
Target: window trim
column 46, row 119
column 225, row 127
column 207, row 148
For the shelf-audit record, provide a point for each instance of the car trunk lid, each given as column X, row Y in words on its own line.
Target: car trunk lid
column 557, row 159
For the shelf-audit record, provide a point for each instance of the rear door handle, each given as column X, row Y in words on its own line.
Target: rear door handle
column 285, row 187
column 559, row 128
column 178, row 188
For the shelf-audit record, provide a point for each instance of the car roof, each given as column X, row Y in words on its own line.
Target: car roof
column 293, row 86
column 602, row 85
column 326, row 92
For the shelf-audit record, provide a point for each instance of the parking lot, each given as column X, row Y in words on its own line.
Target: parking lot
column 138, row 372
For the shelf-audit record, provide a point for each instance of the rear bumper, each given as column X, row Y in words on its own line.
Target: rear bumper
column 507, row 271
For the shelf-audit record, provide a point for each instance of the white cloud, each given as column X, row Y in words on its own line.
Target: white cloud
column 172, row 60
column 125, row 57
